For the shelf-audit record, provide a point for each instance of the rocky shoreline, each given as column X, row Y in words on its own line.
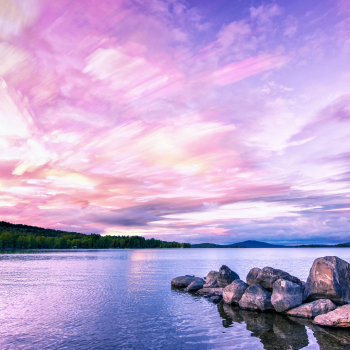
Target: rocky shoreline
column 324, row 297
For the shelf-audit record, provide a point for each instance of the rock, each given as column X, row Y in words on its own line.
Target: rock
column 256, row 298
column 183, row 281
column 340, row 317
column 234, row 291
column 286, row 295
column 329, row 278
column 252, row 275
column 215, row 299
column 226, row 276
column 313, row 309
column 198, row 283
column 268, row 276
column 211, row 281
column 211, row 291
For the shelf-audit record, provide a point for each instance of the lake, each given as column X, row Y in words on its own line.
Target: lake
column 122, row 299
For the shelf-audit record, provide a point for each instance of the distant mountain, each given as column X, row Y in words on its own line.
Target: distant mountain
column 212, row 245
column 245, row 244
column 256, row 244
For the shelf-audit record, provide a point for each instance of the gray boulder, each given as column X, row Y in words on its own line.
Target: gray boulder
column 268, row 276
column 234, row 291
column 211, row 281
column 329, row 278
column 256, row 298
column 211, row 291
column 286, row 295
column 198, row 283
column 339, row 317
column 183, row 281
column 226, row 276
column 252, row 276
column 313, row 309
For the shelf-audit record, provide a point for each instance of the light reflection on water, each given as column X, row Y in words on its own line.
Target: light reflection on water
column 122, row 299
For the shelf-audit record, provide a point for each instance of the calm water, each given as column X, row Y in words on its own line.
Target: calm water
column 122, row 299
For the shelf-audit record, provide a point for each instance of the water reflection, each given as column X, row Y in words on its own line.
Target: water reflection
column 277, row 331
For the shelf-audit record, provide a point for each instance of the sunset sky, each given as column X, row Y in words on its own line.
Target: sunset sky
column 194, row 121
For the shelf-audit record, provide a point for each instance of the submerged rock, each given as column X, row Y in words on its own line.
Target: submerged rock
column 195, row 285
column 211, row 291
column 226, row 276
column 256, row 298
column 268, row 276
column 211, row 281
column 252, row 276
column 339, row 317
column 286, row 295
column 313, row 309
column 234, row 291
column 183, row 281
column 329, row 278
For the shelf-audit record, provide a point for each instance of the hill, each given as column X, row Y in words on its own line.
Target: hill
column 212, row 245
column 256, row 244
column 245, row 244
column 18, row 236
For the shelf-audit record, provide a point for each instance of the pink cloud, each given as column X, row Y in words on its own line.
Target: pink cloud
column 139, row 117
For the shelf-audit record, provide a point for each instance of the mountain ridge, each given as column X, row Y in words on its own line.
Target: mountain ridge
column 244, row 244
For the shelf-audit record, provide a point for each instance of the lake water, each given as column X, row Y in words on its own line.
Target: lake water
column 122, row 299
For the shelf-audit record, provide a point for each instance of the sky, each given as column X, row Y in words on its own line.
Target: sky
column 188, row 120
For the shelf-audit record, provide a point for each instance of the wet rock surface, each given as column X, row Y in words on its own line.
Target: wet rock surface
column 198, row 283
column 184, row 281
column 226, row 276
column 211, row 291
column 268, row 276
column 313, row 309
column 339, row 317
column 256, row 298
column 329, row 278
column 252, row 276
column 234, row 291
column 286, row 295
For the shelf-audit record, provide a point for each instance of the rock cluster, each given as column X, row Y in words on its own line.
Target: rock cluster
column 269, row 289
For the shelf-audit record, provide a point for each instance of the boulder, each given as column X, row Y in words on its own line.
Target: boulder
column 313, row 309
column 234, row 291
column 211, row 281
column 329, row 278
column 286, row 295
column 340, row 317
column 252, row 276
column 183, row 281
column 211, row 291
column 226, row 276
column 198, row 283
column 268, row 276
column 256, row 298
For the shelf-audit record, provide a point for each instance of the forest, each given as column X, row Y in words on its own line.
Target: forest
column 19, row 236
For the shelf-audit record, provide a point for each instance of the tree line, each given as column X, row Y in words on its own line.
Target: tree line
column 32, row 237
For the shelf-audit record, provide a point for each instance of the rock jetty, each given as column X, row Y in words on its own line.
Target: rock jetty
column 324, row 297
